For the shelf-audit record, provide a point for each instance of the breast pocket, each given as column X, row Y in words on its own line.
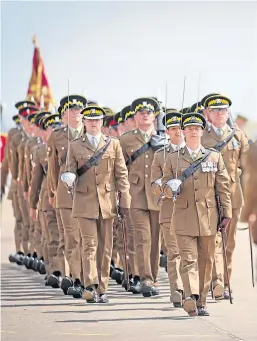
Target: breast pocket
column 82, row 159
column 233, row 150
column 107, row 162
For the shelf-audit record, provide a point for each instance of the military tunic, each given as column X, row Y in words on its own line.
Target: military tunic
column 58, row 143
column 233, row 155
column 95, row 204
column 195, row 217
column 166, row 205
column 144, row 209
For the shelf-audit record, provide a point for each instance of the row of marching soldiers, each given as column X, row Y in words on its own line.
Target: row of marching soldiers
column 102, row 193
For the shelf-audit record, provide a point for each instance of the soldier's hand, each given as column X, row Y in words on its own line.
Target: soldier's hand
column 124, row 211
column 33, row 213
column 224, row 223
column 51, row 201
column 252, row 218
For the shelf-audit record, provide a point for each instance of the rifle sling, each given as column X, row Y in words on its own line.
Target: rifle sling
column 193, row 167
column 138, row 152
column 94, row 159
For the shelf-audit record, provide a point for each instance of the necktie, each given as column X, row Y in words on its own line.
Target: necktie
column 219, row 132
column 76, row 134
column 94, row 142
column 194, row 156
column 145, row 137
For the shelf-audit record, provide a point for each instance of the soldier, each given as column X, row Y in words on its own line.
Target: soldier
column 39, row 201
column 194, row 216
column 98, row 162
column 250, row 207
column 12, row 195
column 204, row 109
column 233, row 145
column 17, row 166
column 58, row 143
column 172, row 121
column 120, row 119
column 138, row 148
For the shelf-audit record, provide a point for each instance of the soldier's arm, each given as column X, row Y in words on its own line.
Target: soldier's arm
column 168, row 174
column 25, row 174
column 222, row 188
column 156, row 175
column 36, row 181
column 53, row 165
column 243, row 150
column 4, row 170
column 14, row 162
column 121, row 176
column 28, row 166
column 71, row 162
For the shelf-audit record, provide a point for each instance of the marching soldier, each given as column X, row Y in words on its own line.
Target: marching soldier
column 16, row 167
column 172, row 121
column 39, row 202
column 99, row 165
column 233, row 145
column 12, row 195
column 138, row 148
column 130, row 122
column 202, row 175
column 58, row 143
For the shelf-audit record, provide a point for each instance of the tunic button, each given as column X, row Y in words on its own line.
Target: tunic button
column 197, row 200
column 97, row 184
column 146, row 175
column 195, row 177
column 146, row 156
column 96, row 173
column 196, row 189
column 146, row 166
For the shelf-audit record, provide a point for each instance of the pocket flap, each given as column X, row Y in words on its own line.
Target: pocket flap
column 133, row 178
column 181, row 203
column 210, row 202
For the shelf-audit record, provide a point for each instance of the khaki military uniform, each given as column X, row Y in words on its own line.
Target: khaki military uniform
column 39, row 199
column 173, row 257
column 58, row 144
column 251, row 188
column 233, row 155
column 144, row 211
column 195, row 218
column 13, row 189
column 95, row 204
column 17, row 171
column 27, row 181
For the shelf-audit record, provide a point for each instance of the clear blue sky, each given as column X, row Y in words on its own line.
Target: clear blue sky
column 115, row 52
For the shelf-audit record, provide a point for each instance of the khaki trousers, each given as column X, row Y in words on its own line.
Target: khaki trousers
column 56, row 256
column 18, row 220
column 173, row 258
column 197, row 257
column 44, row 242
column 115, row 252
column 31, row 232
column 38, row 237
column 97, row 239
column 61, row 245
column 163, row 245
column 147, row 242
column 72, row 241
column 25, row 218
column 218, row 276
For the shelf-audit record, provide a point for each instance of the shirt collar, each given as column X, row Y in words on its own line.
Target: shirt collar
column 217, row 129
column 149, row 132
column 190, row 151
column 175, row 146
column 96, row 137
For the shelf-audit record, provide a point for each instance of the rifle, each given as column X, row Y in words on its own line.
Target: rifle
column 224, row 243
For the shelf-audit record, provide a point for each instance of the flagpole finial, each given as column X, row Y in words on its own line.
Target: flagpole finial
column 35, row 41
